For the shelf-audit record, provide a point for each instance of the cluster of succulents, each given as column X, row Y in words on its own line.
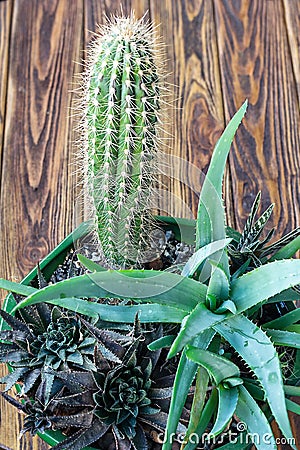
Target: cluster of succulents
column 84, row 379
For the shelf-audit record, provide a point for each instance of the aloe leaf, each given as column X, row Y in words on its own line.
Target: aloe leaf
column 219, row 367
column 218, row 288
column 292, row 406
column 257, row 424
column 283, row 322
column 200, row 393
column 17, row 288
column 288, row 295
column 163, row 342
column 257, row 350
column 228, row 399
column 196, row 322
column 269, row 280
column 190, row 443
column 183, row 229
column 123, row 314
column 185, row 374
column 292, row 390
column 201, row 255
column 289, row 249
column 89, row 264
column 211, row 217
column 286, row 338
column 149, row 285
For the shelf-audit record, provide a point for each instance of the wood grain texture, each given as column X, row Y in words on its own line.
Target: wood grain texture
column 36, row 185
column 189, row 31
column 5, row 20
column 256, row 62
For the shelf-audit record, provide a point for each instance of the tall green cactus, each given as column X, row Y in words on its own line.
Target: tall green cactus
column 120, row 133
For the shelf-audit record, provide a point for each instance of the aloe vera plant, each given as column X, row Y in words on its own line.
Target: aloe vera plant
column 121, row 104
column 217, row 313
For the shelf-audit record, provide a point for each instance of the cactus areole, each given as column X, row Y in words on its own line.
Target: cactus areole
column 120, row 136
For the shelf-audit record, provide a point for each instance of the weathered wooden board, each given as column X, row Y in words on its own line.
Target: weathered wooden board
column 36, row 185
column 217, row 54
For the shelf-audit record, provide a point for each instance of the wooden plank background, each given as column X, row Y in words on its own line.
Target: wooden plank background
column 218, row 53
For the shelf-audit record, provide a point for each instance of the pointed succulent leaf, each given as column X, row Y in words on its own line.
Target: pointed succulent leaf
column 240, row 445
column 293, row 406
column 196, row 322
column 285, row 321
column 89, row 264
column 227, row 306
column 208, row 411
column 286, row 247
column 258, row 227
column 249, row 223
column 252, row 416
column 13, row 377
column 161, row 393
column 199, row 399
column 269, row 280
column 82, row 420
column 211, row 218
column 218, row 288
column 227, row 401
column 201, row 255
column 148, row 312
column 83, row 438
column 149, row 285
column 186, row 371
column 18, row 288
column 258, row 352
column 139, row 441
column 286, row 338
column 29, row 379
column 163, row 342
column 14, row 323
column 219, row 367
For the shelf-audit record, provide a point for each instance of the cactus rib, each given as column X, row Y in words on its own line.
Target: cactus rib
column 121, row 114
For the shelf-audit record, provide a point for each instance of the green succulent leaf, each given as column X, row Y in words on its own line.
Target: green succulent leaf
column 184, row 229
column 149, row 285
column 208, row 411
column 228, row 399
column 199, row 399
column 257, row 350
column 286, row 338
column 269, row 280
column 292, row 406
column 165, row 341
column 252, row 416
column 17, row 288
column 285, row 321
column 196, row 322
column 290, row 248
column 219, row 367
column 89, row 264
column 218, row 288
column 201, row 255
column 186, row 371
column 211, row 218
column 148, row 312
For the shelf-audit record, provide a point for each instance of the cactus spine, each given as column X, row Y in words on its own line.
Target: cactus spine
column 120, row 134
